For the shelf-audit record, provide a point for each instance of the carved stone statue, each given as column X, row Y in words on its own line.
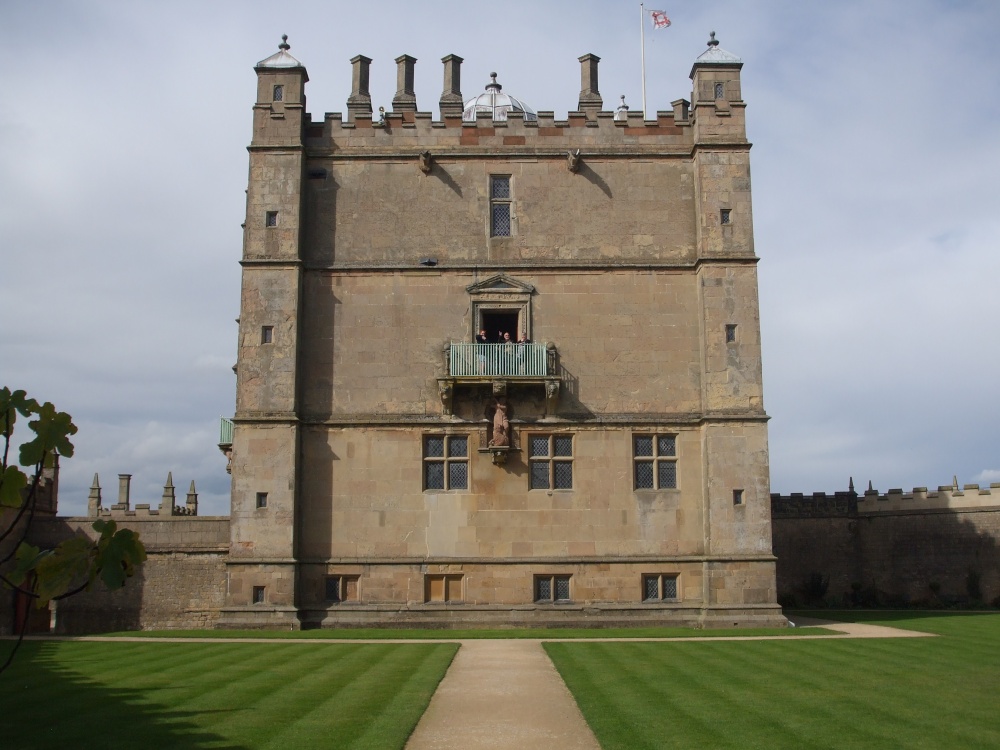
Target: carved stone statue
column 501, row 427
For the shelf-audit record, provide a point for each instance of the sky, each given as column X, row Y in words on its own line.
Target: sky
column 875, row 158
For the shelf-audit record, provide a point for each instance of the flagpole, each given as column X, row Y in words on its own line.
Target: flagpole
column 642, row 47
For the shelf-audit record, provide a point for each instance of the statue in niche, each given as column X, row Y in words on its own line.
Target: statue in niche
column 501, row 427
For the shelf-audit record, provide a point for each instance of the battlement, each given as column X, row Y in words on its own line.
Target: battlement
column 420, row 130
column 850, row 503
column 493, row 119
column 167, row 509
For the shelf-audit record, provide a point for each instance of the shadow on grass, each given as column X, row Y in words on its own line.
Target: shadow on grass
column 885, row 615
column 49, row 705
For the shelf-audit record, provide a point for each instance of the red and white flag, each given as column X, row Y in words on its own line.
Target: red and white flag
column 659, row 18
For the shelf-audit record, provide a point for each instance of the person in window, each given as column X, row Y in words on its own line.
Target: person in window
column 481, row 350
column 522, row 352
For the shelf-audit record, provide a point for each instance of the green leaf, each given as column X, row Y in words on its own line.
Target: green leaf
column 52, row 430
column 12, row 482
column 12, row 402
column 67, row 564
column 25, row 560
column 118, row 554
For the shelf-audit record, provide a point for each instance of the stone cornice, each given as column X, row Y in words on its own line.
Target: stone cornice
column 602, row 265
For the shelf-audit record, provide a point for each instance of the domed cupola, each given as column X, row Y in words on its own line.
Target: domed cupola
column 496, row 103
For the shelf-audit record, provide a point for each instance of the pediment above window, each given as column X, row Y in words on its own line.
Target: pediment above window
column 499, row 284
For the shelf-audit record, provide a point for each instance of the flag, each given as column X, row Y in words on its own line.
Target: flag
column 659, row 18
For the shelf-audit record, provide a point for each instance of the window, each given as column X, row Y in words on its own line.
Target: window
column 341, row 588
column 656, row 588
column 258, row 594
column 271, row 219
column 550, row 588
column 446, row 462
column 261, row 499
column 279, row 93
column 443, row 587
column 655, row 458
column 726, row 215
column 737, row 497
column 720, row 91
column 551, row 462
column 266, row 334
column 500, row 206
column 730, row 333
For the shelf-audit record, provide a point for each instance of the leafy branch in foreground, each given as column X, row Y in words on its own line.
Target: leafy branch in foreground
column 74, row 564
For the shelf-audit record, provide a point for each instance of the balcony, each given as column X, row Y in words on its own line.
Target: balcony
column 497, row 365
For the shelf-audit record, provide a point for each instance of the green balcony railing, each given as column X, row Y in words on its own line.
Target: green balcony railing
column 225, row 431
column 507, row 360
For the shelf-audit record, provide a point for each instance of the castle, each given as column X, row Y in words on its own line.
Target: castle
column 494, row 368
column 398, row 458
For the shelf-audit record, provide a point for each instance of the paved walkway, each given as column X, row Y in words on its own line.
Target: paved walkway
column 502, row 694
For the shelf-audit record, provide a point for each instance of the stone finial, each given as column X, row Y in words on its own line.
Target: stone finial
column 191, row 503
column 284, row 42
column 94, row 498
column 590, row 97
column 451, row 98
column 712, row 41
column 169, row 500
column 850, row 485
column 359, row 103
column 621, row 112
column 405, row 99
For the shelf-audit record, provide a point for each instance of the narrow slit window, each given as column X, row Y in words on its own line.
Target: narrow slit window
column 720, row 91
column 279, row 93
column 500, row 206
column 261, row 499
column 730, row 333
column 266, row 334
column 271, row 219
column 737, row 497
column 726, row 216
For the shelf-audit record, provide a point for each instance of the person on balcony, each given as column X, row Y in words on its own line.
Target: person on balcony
column 508, row 354
column 522, row 352
column 481, row 350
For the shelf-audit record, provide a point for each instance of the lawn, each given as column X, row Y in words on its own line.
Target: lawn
column 886, row 693
column 229, row 695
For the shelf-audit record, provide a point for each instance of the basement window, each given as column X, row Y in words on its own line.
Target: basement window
column 443, row 587
column 341, row 589
column 552, row 588
column 659, row 587
column 258, row 595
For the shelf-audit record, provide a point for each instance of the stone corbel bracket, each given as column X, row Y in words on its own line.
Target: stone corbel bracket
column 424, row 161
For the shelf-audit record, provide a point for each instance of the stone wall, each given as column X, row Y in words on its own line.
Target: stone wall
column 181, row 585
column 892, row 548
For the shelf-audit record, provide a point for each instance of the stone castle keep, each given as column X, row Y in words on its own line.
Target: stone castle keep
column 387, row 468
column 606, row 464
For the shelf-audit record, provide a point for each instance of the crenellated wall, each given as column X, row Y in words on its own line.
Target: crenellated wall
column 889, row 548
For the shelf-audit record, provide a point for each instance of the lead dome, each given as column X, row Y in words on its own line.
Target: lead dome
column 496, row 103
